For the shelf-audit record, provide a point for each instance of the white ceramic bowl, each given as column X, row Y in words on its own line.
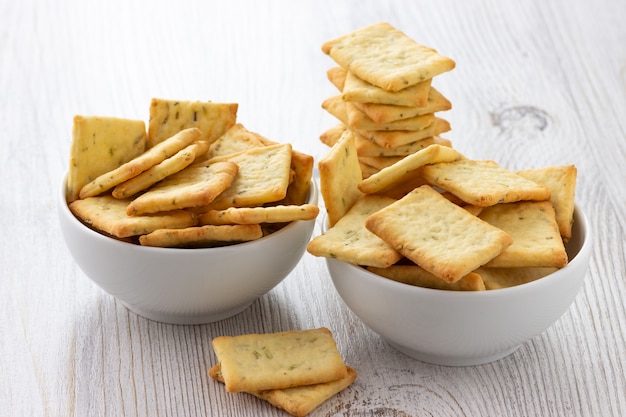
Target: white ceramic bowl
column 463, row 328
column 185, row 286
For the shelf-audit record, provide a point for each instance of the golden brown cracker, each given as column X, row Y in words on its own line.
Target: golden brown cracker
column 168, row 117
column 386, row 57
column 194, row 186
column 483, row 183
column 496, row 278
column 395, row 138
column 108, row 214
column 99, row 145
column 254, row 215
column 202, row 236
column 438, row 235
column 349, row 241
column 419, row 277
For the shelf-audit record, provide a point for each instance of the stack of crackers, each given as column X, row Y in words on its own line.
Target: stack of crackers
column 386, row 95
column 294, row 370
column 429, row 216
column 195, row 178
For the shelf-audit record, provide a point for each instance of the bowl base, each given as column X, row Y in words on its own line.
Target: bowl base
column 186, row 319
column 453, row 361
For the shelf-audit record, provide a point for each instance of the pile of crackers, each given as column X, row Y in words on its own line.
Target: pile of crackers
column 195, row 178
column 294, row 370
column 434, row 218
column 390, row 115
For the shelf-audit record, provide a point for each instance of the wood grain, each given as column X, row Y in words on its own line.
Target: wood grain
column 537, row 83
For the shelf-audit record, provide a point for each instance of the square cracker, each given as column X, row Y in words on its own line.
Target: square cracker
column 536, row 238
column 483, row 183
column 561, row 180
column 395, row 138
column 263, row 177
column 99, row 145
column 141, row 163
column 438, row 235
column 236, row 139
column 340, row 174
column 496, row 278
column 168, row 117
column 194, row 186
column 356, row 90
column 298, row 401
column 349, row 241
column 202, row 236
column 407, row 167
column 169, row 166
column 255, row 215
column 386, row 57
column 417, row 276
column 258, row 362
column 108, row 214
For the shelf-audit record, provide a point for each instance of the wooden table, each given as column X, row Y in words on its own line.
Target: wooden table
column 537, row 83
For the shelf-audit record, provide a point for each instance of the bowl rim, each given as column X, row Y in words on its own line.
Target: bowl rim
column 579, row 217
column 65, row 210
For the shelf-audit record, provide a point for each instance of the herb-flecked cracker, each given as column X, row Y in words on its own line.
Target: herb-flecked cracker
column 258, row 362
column 254, row 215
column 167, row 117
column 141, row 163
column 438, row 235
column 496, row 278
column 340, row 174
column 99, row 145
column 394, row 138
column 483, row 183
column 298, row 401
column 202, row 236
column 194, row 186
column 417, row 276
column 169, row 166
column 386, row 57
column 108, row 214
column 349, row 241
column 536, row 238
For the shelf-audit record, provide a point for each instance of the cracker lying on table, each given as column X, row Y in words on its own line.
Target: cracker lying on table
column 167, row 117
column 356, row 90
column 202, row 236
column 438, row 235
column 561, row 180
column 384, row 113
column 141, row 163
column 419, row 277
column 263, row 177
column 496, row 278
column 194, row 186
column 349, row 241
column 298, row 401
column 483, row 183
column 536, row 238
column 406, row 167
column 169, row 166
column 386, row 57
column 395, row 138
column 108, row 214
column 99, row 145
column 340, row 174
column 258, row 362
column 255, row 215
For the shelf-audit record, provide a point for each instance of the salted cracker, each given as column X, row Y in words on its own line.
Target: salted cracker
column 419, row 277
column 141, row 163
column 168, row 117
column 194, row 186
column 162, row 170
column 99, row 145
column 496, row 278
column 536, row 238
column 561, row 180
column 202, row 236
column 340, row 174
column 483, row 183
column 108, row 214
column 407, row 167
column 255, row 215
column 236, row 139
column 438, row 235
column 386, row 57
column 258, row 362
column 395, row 138
column 349, row 241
